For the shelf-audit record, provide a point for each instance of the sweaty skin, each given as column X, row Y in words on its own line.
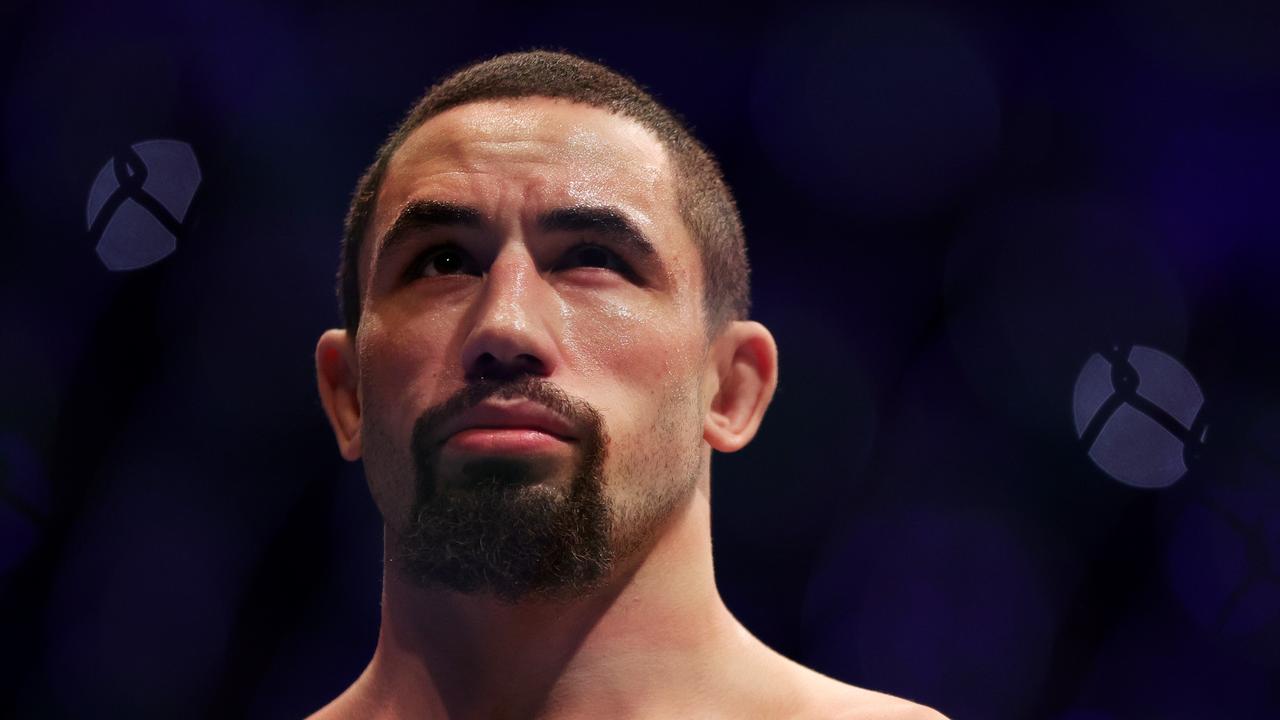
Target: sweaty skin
column 656, row 641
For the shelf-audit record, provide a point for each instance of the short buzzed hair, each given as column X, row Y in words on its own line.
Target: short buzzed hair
column 705, row 203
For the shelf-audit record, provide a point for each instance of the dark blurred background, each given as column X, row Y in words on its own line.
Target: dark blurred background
column 974, row 229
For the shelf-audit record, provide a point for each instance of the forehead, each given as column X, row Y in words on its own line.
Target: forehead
column 529, row 155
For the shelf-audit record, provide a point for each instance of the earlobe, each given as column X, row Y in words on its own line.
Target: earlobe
column 338, row 380
column 745, row 360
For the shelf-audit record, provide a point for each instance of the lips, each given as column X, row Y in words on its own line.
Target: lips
column 519, row 415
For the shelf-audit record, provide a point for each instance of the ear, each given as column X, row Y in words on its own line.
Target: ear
column 337, row 376
column 743, row 365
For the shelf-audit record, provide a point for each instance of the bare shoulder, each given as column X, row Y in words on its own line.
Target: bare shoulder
column 860, row 704
column 340, row 708
column 354, row 702
column 835, row 700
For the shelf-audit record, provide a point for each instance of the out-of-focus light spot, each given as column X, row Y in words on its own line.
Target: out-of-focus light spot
column 1165, row 382
column 139, row 201
column 1136, row 414
column 1135, row 450
column 883, row 112
column 1093, row 387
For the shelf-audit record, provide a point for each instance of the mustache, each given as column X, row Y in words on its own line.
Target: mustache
column 577, row 412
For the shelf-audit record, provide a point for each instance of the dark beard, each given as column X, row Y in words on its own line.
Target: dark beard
column 499, row 531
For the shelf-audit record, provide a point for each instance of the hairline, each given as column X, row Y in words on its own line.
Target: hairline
column 674, row 161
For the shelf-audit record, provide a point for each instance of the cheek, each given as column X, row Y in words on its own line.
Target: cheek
column 638, row 365
column 629, row 345
column 399, row 368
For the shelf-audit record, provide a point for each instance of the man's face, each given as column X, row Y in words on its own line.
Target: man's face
column 525, row 256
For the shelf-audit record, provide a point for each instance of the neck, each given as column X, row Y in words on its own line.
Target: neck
column 658, row 632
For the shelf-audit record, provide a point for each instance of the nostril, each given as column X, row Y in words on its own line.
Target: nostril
column 487, row 366
column 528, row 363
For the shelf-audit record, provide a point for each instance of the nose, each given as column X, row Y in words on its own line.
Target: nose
column 511, row 331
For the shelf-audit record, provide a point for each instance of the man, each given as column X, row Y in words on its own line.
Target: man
column 544, row 286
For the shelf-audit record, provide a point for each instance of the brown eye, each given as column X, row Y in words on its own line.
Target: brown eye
column 446, row 260
column 596, row 256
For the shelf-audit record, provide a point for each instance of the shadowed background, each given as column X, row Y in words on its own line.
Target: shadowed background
column 950, row 210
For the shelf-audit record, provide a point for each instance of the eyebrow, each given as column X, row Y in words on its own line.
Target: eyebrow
column 426, row 215
column 431, row 214
column 602, row 219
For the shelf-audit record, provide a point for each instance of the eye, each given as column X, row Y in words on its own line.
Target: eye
column 442, row 260
column 596, row 256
